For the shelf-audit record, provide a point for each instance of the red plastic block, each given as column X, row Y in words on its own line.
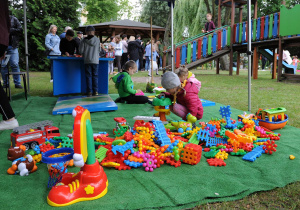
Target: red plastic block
column 191, row 154
column 173, row 162
column 216, row 162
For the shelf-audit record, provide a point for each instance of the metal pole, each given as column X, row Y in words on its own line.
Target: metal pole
column 172, row 34
column 249, row 54
column 26, row 45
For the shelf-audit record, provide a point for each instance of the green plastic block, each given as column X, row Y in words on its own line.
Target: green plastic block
column 228, row 36
column 67, row 143
column 189, row 53
column 101, row 154
column 194, row 139
column 239, row 153
column 209, row 45
column 211, row 153
column 254, row 30
column 240, row 32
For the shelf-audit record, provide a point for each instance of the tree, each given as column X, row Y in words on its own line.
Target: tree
column 40, row 15
column 99, row 11
column 159, row 10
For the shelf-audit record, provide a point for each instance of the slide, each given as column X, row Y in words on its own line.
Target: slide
column 289, row 69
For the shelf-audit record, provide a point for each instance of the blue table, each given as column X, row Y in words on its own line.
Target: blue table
column 69, row 75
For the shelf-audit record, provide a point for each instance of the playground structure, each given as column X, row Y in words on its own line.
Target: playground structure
column 267, row 35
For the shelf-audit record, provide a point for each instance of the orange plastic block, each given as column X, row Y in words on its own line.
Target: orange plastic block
column 191, row 154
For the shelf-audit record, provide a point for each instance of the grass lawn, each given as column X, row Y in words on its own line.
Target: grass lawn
column 227, row 90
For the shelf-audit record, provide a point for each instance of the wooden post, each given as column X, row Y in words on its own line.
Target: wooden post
column 218, row 66
column 255, row 63
column 255, row 10
column 232, row 35
column 113, row 33
column 219, row 25
column 238, row 63
column 280, row 55
column 219, row 14
column 164, row 57
column 274, row 64
column 241, row 14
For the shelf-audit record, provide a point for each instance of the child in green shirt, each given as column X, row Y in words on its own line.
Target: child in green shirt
column 124, row 85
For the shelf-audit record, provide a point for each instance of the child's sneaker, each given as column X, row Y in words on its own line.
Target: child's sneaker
column 95, row 93
column 89, row 94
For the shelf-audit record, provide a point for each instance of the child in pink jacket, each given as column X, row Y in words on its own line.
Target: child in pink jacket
column 185, row 75
column 185, row 96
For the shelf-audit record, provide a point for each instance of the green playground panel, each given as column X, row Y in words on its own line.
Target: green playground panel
column 189, row 53
column 254, row 30
column 241, row 32
column 271, row 26
column 228, row 36
column 289, row 20
column 209, row 45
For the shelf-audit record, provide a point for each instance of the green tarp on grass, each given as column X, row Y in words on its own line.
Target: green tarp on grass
column 167, row 187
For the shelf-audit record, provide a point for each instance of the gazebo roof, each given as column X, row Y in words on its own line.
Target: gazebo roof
column 126, row 26
column 127, row 23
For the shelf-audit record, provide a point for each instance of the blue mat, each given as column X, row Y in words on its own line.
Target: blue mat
column 103, row 102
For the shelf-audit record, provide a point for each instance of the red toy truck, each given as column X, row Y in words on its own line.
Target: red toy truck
column 33, row 134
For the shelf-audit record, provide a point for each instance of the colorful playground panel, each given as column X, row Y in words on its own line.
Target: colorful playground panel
column 103, row 102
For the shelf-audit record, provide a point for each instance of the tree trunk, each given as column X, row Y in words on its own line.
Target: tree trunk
column 167, row 31
column 207, row 6
column 224, row 62
column 227, row 15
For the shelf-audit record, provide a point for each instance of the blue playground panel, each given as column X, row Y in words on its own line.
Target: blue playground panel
column 103, row 102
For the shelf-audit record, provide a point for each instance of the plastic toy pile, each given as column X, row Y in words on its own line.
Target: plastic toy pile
column 148, row 145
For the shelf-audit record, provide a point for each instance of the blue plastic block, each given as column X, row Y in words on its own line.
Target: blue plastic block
column 229, row 124
column 214, row 141
column 170, row 148
column 133, row 164
column 255, row 153
column 225, row 111
column 161, row 133
column 203, row 135
column 122, row 148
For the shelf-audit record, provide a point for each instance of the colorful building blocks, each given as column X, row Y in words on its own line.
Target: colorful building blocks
column 255, row 153
column 222, row 155
column 216, row 162
column 269, row 147
column 161, row 133
column 225, row 111
column 191, row 154
column 101, row 154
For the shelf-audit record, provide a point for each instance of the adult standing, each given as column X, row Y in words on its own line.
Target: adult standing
column 141, row 51
column 63, row 34
column 9, row 121
column 12, row 50
column 125, row 50
column 118, row 52
column 78, row 38
column 133, row 50
column 52, row 42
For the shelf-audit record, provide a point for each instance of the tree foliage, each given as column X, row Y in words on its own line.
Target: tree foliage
column 40, row 15
column 99, row 11
column 159, row 10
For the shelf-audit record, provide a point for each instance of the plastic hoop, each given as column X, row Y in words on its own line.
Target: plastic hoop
column 51, row 160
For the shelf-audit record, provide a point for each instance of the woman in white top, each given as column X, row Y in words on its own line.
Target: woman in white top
column 118, row 52
column 125, row 48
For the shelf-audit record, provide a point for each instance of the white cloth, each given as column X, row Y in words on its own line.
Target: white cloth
column 155, row 67
column 118, row 49
column 287, row 57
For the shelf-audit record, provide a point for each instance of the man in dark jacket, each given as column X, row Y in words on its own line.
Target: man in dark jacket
column 133, row 51
column 12, row 50
column 141, row 51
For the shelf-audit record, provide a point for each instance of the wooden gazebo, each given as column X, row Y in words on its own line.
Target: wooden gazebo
column 128, row 27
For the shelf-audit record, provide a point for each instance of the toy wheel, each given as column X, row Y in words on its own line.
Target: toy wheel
column 33, row 144
column 27, row 146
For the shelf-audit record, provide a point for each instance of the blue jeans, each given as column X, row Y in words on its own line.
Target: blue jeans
column 160, row 63
column 147, row 64
column 14, row 64
column 91, row 75
column 137, row 62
